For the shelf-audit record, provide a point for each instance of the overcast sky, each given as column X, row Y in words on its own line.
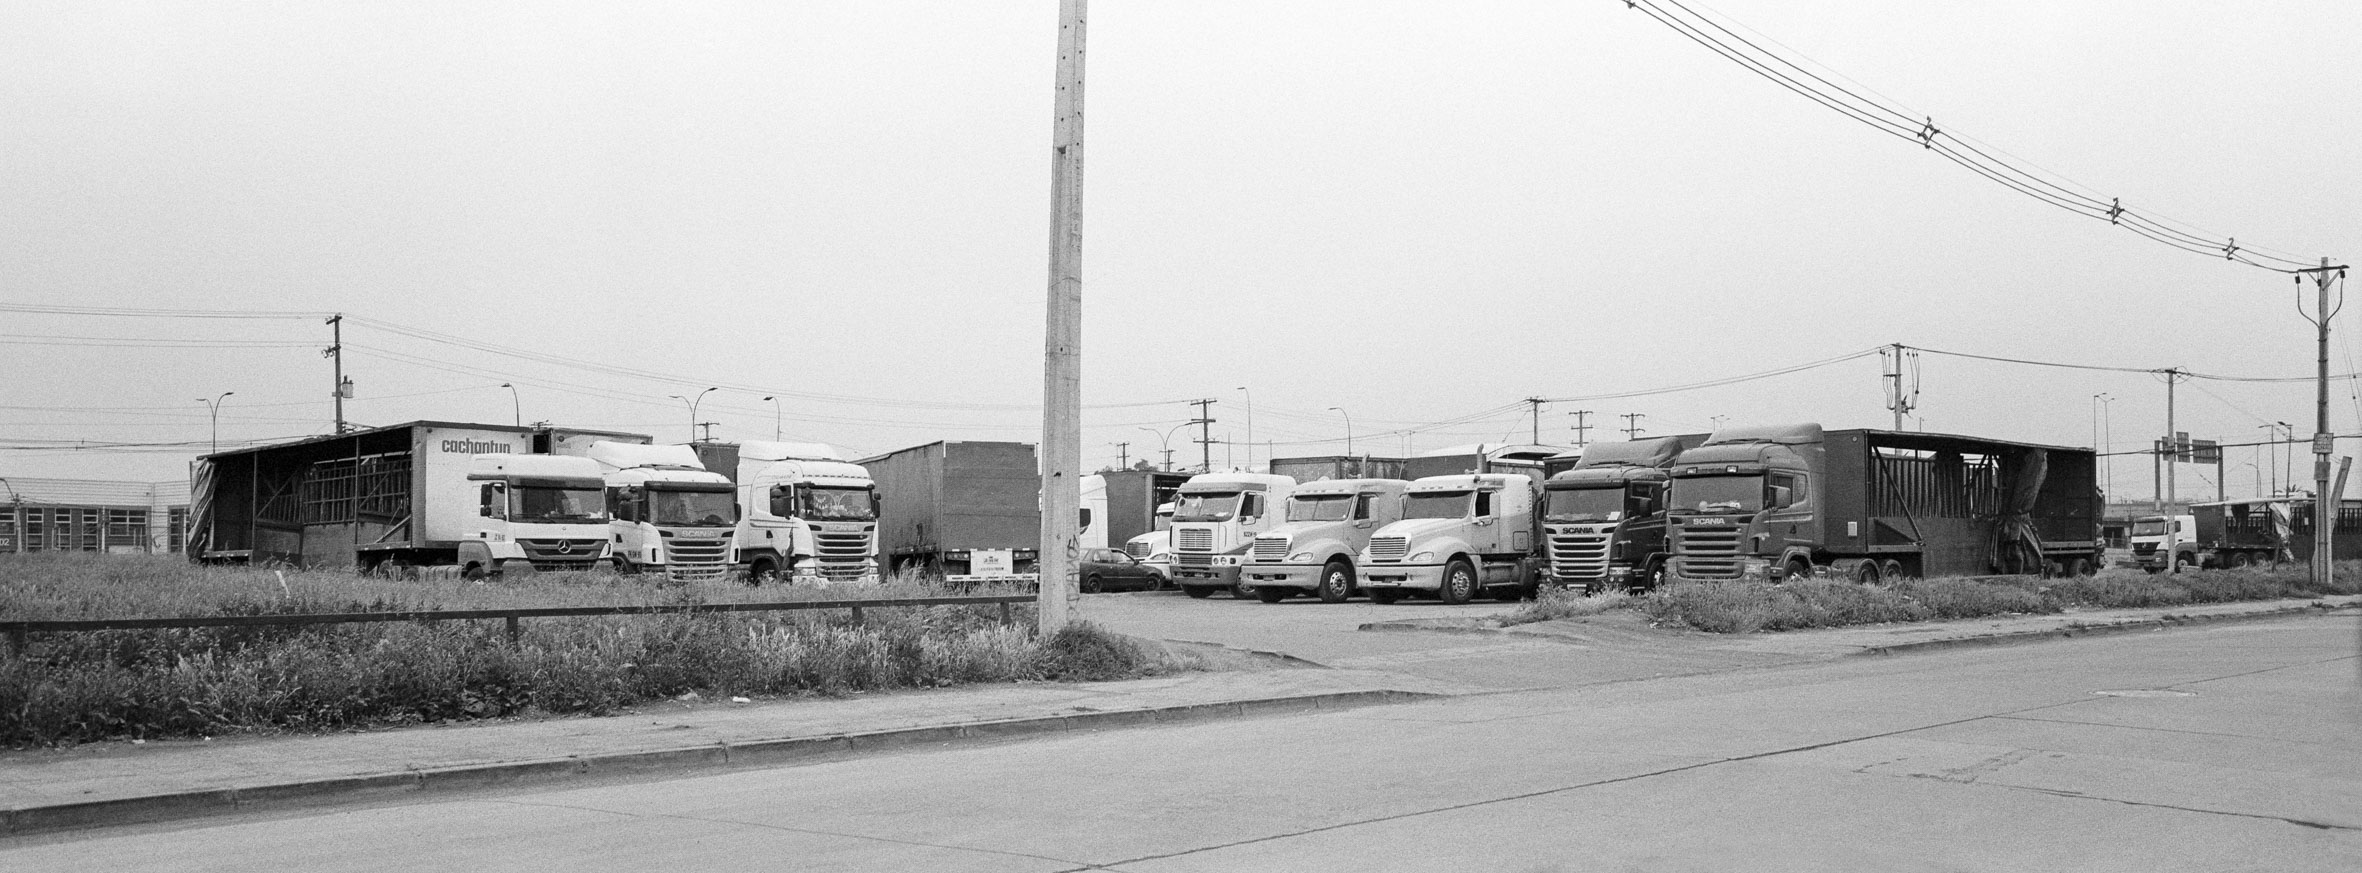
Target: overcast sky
column 1412, row 211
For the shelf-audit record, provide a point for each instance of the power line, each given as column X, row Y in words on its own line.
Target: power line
column 1717, row 383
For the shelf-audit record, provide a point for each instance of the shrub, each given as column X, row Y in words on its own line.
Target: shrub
column 1085, row 651
column 1558, row 601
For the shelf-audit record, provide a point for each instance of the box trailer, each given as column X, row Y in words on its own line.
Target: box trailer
column 397, row 496
column 2265, row 531
column 1795, row 500
column 1119, row 505
column 968, row 510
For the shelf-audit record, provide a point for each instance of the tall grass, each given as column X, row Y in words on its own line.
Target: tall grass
column 79, row 687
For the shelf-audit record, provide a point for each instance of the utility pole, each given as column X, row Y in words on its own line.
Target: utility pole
column 1123, row 456
column 1062, row 364
column 335, row 350
column 1632, row 426
column 1205, row 433
column 1897, row 359
column 1537, row 403
column 2170, row 448
column 2324, row 503
column 1582, row 427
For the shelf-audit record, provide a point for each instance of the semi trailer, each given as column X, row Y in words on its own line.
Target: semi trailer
column 1325, row 525
column 2263, row 531
column 484, row 498
column 1605, row 516
column 969, row 511
column 805, row 514
column 1783, row 502
column 1121, row 504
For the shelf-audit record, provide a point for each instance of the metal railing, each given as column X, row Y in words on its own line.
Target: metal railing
column 17, row 632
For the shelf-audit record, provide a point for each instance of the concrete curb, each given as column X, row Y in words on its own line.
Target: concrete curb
column 2071, row 631
column 174, row 806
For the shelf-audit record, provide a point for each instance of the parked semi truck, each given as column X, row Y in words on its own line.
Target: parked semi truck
column 1325, row 525
column 1773, row 503
column 2265, row 531
column 1459, row 535
column 668, row 515
column 805, row 514
column 483, row 498
column 1527, row 460
column 967, row 510
column 2162, row 541
column 1317, row 468
column 1215, row 518
column 1606, row 515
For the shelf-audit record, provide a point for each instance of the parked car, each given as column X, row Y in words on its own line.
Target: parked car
column 1112, row 570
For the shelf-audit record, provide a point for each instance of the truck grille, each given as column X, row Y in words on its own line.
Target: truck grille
column 843, row 554
column 1193, row 539
column 557, row 554
column 2144, row 548
column 1271, row 548
column 1389, row 548
column 1580, row 554
column 1707, row 552
column 1137, row 550
column 1193, row 559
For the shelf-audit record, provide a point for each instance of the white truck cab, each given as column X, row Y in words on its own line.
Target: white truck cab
column 2160, row 542
column 1324, row 528
column 1458, row 535
column 535, row 512
column 668, row 514
column 1215, row 518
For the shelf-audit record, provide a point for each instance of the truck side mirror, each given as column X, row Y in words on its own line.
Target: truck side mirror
column 877, row 505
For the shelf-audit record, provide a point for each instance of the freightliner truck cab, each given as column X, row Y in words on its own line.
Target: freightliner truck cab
column 535, row 512
column 1741, row 506
column 1327, row 524
column 1606, row 516
column 669, row 514
column 1215, row 518
column 1458, row 535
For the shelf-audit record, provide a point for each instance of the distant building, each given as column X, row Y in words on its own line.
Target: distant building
column 86, row 515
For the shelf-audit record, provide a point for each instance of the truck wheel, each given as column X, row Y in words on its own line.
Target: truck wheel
column 2182, row 562
column 762, row 572
column 1199, row 592
column 1797, row 570
column 1385, row 596
column 1272, row 593
column 2240, row 560
column 1336, row 582
column 473, row 572
column 1891, row 569
column 1655, row 575
column 1241, row 592
column 1866, row 573
column 1459, row 582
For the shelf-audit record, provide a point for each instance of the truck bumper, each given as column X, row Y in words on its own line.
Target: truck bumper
column 1305, row 576
column 1424, row 577
column 1200, row 577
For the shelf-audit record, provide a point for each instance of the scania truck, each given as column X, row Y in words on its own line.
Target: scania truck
column 1215, row 518
column 1606, row 516
column 668, row 514
column 1785, row 502
column 1327, row 524
column 1459, row 535
column 805, row 515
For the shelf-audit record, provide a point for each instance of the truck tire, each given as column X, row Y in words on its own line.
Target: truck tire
column 1891, row 569
column 1336, row 581
column 1385, row 596
column 1198, row 592
column 1459, row 582
column 1241, row 592
column 473, row 572
column 1866, row 573
column 1654, row 577
column 1797, row 570
column 762, row 572
column 2181, row 562
column 1273, row 593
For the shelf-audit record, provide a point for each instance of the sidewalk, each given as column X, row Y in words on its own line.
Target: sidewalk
column 124, row 783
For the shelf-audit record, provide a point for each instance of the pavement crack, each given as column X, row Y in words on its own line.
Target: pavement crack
column 2134, row 727
column 2078, row 795
column 795, row 830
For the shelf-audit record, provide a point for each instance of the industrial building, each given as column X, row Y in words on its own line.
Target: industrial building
column 88, row 515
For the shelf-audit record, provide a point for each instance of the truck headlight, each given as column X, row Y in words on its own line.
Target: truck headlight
column 1421, row 558
column 1300, row 558
column 1754, row 569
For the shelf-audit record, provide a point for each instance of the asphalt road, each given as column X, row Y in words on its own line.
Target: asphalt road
column 2231, row 747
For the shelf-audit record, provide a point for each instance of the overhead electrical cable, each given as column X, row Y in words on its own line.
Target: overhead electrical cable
column 1716, row 383
column 2152, row 370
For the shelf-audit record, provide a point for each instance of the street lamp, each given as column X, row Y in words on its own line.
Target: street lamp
column 1165, row 439
column 693, row 408
column 1348, row 427
column 2103, row 437
column 516, row 406
column 1250, row 427
column 214, row 408
column 775, row 414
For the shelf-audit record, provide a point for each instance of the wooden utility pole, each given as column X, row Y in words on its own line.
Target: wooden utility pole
column 1537, row 404
column 1632, row 426
column 1582, row 427
column 1205, row 433
column 1062, row 365
column 335, row 350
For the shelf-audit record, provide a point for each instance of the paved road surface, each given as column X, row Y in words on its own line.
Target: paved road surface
column 2221, row 748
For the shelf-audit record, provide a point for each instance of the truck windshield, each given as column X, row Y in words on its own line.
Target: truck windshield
column 540, row 503
column 1585, row 504
column 1325, row 507
column 837, row 504
column 710, row 508
column 2150, row 527
column 1206, row 507
column 1719, row 493
column 1437, row 504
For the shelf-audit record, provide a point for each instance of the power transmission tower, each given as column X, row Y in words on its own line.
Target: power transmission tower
column 1632, row 428
column 1582, row 427
column 1205, row 433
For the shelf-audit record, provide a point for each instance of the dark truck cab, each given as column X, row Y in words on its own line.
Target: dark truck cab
column 1770, row 503
column 1605, row 517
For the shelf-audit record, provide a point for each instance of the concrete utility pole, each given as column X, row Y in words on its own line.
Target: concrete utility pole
column 1251, row 429
column 1537, row 403
column 1062, row 362
column 1632, row 426
column 1582, row 427
column 2324, row 443
column 2169, row 449
column 335, row 350
column 1205, row 433
column 1123, row 456
column 1899, row 357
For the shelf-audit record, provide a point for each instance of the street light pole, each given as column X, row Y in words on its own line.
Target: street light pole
column 693, row 408
column 1348, row 427
column 775, row 417
column 1250, row 428
column 213, row 407
column 516, row 406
